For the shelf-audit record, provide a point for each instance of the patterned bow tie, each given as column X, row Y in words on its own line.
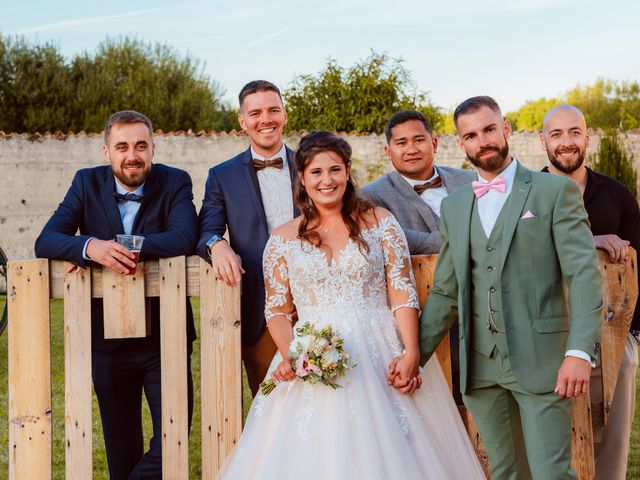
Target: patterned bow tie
column 498, row 184
column 274, row 162
column 128, row 197
column 435, row 183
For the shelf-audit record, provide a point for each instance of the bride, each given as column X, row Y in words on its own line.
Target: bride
column 345, row 263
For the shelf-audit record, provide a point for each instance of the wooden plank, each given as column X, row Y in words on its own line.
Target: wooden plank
column 29, row 370
column 77, row 369
column 124, row 304
column 476, row 440
column 221, row 382
column 423, row 269
column 173, row 344
column 620, row 288
column 151, row 278
column 582, row 458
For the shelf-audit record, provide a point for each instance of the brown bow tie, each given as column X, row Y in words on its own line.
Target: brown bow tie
column 274, row 162
column 435, row 183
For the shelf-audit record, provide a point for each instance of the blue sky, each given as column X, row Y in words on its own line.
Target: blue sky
column 514, row 51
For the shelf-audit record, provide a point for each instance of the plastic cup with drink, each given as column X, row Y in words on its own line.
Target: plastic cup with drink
column 134, row 244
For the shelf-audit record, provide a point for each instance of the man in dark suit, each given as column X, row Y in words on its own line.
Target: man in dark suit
column 250, row 195
column 132, row 196
column 615, row 223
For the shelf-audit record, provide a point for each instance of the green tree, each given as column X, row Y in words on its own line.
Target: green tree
column 611, row 159
column 359, row 98
column 40, row 90
column 531, row 114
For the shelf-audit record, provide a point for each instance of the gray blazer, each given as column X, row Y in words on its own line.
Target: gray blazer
column 420, row 223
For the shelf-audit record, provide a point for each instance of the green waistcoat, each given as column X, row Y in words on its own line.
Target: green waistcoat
column 486, row 296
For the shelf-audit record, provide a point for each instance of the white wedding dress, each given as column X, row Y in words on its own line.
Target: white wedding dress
column 366, row 429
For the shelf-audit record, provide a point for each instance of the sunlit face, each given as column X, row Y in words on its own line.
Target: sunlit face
column 411, row 150
column 325, row 178
column 482, row 135
column 130, row 151
column 263, row 117
column 565, row 139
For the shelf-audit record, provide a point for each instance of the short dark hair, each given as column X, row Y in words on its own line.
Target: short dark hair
column 404, row 116
column 125, row 117
column 474, row 104
column 256, row 86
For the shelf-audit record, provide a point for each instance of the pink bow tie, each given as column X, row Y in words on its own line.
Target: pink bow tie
column 480, row 188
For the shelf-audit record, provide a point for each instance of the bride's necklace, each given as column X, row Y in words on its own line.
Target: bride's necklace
column 327, row 229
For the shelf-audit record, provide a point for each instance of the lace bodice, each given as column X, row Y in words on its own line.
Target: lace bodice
column 299, row 278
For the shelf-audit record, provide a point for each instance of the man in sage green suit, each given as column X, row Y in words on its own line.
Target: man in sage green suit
column 509, row 242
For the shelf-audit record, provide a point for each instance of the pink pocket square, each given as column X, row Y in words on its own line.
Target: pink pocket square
column 528, row 214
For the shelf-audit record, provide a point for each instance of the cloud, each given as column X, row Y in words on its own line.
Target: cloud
column 84, row 22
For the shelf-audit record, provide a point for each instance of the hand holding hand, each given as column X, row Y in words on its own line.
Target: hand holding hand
column 617, row 248
column 110, row 254
column 226, row 264
column 573, row 377
column 284, row 371
column 404, row 373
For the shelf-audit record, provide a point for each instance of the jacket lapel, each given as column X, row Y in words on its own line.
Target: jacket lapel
column 107, row 192
column 402, row 186
column 515, row 205
column 253, row 186
column 293, row 174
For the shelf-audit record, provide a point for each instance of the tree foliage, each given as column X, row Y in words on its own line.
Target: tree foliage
column 606, row 104
column 358, row 98
column 612, row 160
column 40, row 90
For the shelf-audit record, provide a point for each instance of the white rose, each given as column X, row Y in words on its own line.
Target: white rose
column 301, row 344
column 330, row 356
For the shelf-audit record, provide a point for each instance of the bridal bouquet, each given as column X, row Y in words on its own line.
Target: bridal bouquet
column 317, row 356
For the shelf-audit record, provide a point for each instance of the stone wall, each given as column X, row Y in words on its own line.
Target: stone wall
column 36, row 170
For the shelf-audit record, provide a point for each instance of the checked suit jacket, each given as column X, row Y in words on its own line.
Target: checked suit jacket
column 420, row 224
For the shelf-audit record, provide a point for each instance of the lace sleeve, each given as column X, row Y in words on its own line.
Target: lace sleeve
column 278, row 299
column 401, row 288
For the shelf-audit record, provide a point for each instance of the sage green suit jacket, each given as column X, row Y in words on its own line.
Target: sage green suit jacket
column 538, row 255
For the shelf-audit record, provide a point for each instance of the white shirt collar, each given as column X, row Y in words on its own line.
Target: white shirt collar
column 508, row 174
column 282, row 153
column 413, row 182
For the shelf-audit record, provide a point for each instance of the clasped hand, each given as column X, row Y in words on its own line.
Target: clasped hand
column 109, row 254
column 404, row 372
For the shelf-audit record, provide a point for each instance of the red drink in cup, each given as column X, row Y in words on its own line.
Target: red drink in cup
column 134, row 244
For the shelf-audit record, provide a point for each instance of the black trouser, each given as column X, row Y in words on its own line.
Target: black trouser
column 119, row 377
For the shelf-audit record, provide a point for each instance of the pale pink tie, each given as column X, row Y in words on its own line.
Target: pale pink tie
column 480, row 188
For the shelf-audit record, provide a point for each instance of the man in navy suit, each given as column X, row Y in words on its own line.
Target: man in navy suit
column 250, row 195
column 133, row 196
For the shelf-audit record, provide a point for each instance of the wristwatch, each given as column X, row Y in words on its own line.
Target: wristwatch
column 212, row 241
column 636, row 335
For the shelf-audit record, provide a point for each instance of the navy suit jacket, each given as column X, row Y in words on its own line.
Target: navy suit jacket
column 232, row 201
column 167, row 219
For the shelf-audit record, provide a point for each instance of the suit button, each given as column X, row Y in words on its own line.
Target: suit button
column 492, row 290
column 490, row 249
column 492, row 311
column 490, row 268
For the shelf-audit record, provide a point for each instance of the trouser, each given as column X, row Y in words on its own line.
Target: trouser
column 257, row 358
column 526, row 435
column 119, row 378
column 612, row 451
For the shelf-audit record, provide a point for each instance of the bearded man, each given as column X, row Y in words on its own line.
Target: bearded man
column 615, row 224
column 508, row 241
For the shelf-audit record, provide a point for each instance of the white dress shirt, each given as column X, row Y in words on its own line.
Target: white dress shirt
column 431, row 196
column 489, row 207
column 275, row 189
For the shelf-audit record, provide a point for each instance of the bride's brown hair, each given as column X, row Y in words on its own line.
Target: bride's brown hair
column 356, row 211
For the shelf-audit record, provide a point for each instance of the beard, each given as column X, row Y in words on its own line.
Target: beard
column 567, row 166
column 492, row 163
column 133, row 180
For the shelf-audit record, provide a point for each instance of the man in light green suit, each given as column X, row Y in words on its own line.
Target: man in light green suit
column 509, row 243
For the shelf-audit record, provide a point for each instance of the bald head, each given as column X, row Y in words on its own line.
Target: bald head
column 566, row 112
column 564, row 137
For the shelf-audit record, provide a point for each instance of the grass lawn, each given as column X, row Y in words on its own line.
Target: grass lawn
column 99, row 459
